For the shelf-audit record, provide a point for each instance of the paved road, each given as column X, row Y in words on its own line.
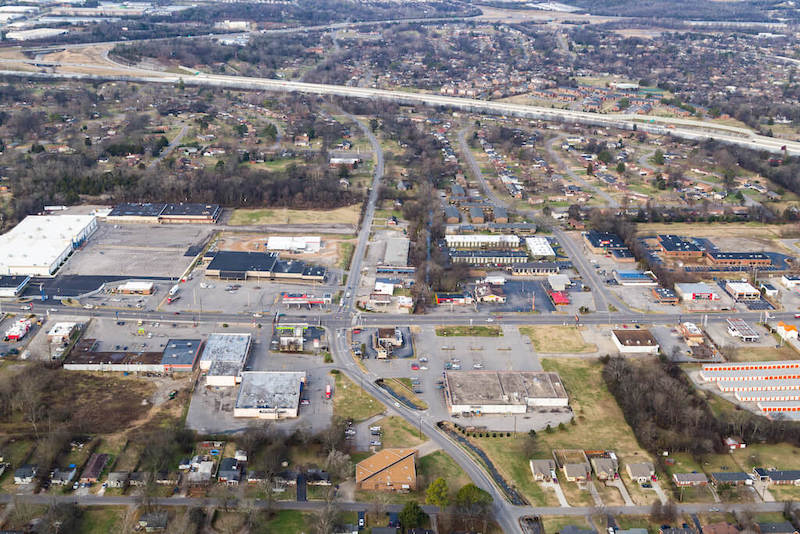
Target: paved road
column 167, row 150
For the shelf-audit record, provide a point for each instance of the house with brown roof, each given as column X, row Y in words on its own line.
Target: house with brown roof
column 388, row 470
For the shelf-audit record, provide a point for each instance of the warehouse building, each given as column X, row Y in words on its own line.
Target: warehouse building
column 40, row 244
column 296, row 244
column 678, row 247
column 734, row 386
column 768, row 396
column 269, row 395
column 181, row 354
column 778, row 406
column 488, row 257
column 481, row 241
column 163, row 213
column 696, row 291
column 601, row 242
column 88, row 355
column 634, row 341
column 752, row 366
column 747, row 375
column 502, row 392
column 224, row 358
column 790, row 281
column 739, row 259
column 742, row 290
column 539, row 247
column 534, row 268
column 236, row 265
column 634, row 278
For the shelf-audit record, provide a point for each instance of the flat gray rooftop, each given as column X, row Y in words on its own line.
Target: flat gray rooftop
column 226, row 348
column 502, row 387
column 270, row 389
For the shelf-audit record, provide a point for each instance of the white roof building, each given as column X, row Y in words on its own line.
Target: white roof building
column 39, row 244
column 309, row 244
column 269, row 395
column 224, row 357
column 539, row 247
column 481, row 240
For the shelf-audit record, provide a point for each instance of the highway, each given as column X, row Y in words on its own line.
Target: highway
column 686, row 129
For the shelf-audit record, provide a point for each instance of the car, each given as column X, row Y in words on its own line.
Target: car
column 423, row 368
column 305, row 402
column 356, row 330
column 415, row 367
column 76, row 486
column 423, row 359
column 797, row 315
column 477, row 366
column 490, row 320
column 375, row 443
column 177, row 313
column 350, row 432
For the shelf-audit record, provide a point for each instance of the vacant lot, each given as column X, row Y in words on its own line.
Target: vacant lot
column 346, row 215
column 439, row 464
column 598, row 423
column 473, row 331
column 510, row 458
column 717, row 229
column 557, row 339
column 762, row 354
column 102, row 520
column 352, row 402
column 397, row 432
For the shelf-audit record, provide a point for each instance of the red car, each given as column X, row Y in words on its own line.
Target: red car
column 797, row 315
column 414, row 367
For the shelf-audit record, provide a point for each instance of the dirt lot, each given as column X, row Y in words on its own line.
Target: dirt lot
column 720, row 230
column 329, row 255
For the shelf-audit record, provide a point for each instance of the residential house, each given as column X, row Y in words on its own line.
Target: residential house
column 543, row 470
column 723, row 527
column 63, row 477
column 137, row 479
column 230, row 472
column 577, row 472
column 683, row 480
column 733, row 478
column 604, row 468
column 118, row 479
column 778, row 477
column 640, row 472
column 388, row 470
column 25, row 474
column 94, row 467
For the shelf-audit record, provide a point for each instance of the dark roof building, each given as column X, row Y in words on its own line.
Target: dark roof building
column 736, row 478
column 602, row 241
column 781, row 527
column 13, row 286
column 237, row 265
column 165, row 213
column 181, row 354
column 738, row 258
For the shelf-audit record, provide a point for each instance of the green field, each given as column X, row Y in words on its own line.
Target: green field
column 439, row 464
column 397, row 432
column 557, row 339
column 473, row 331
column 290, row 522
column 101, row 520
column 345, row 215
column 352, row 402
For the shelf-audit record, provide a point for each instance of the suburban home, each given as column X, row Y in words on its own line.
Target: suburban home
column 736, row 478
column 543, row 470
column 154, row 521
column 733, row 443
column 256, row 477
column 683, row 480
column 94, row 467
column 640, row 472
column 676, row 530
column 346, row 529
column 137, row 478
column 572, row 529
column 118, row 479
column 604, row 468
column 25, row 474
column 63, row 477
column 168, row 478
column 388, row 470
column 577, row 472
column 782, row 527
column 230, row 472
column 778, row 477
column 317, row 477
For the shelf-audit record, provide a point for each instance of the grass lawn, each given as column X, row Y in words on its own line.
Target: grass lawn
column 553, row 524
column 763, row 354
column 346, row 249
column 352, row 402
column 102, row 520
column 475, row 331
column 439, row 464
column 402, row 386
column 508, row 456
column 557, row 339
column 779, row 456
column 717, row 229
column 397, row 432
column 345, row 215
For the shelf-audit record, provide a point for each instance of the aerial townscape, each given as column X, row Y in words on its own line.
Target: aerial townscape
column 400, row 267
